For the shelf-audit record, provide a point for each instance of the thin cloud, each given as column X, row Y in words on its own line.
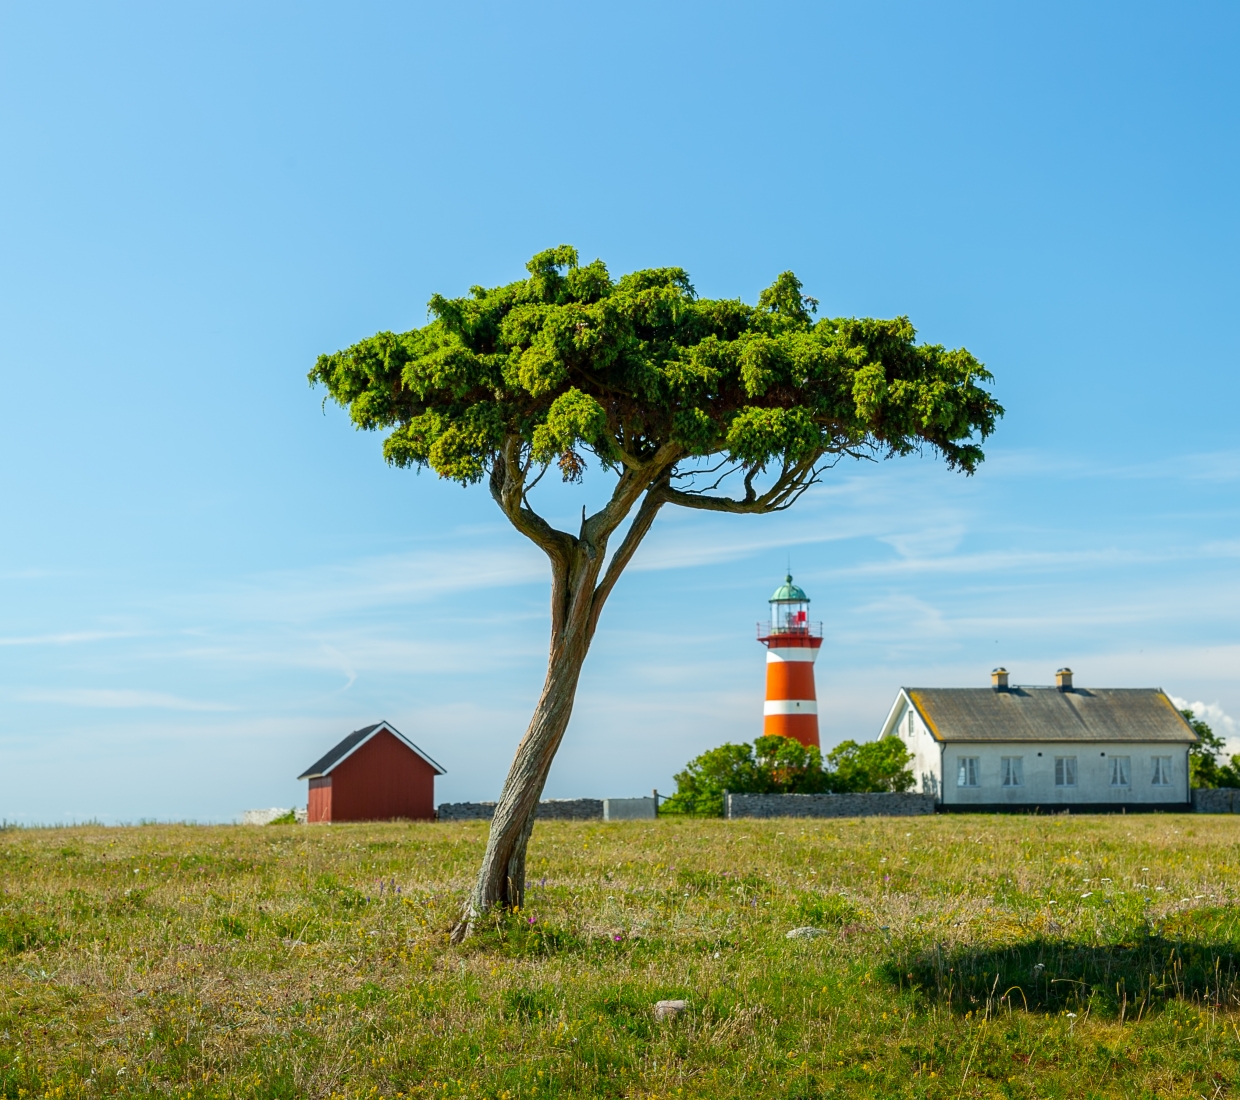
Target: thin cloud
column 120, row 699
column 72, row 638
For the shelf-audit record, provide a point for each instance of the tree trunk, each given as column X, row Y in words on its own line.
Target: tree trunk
column 501, row 880
column 577, row 598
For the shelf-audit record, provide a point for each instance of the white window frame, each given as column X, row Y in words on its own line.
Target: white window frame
column 1012, row 770
column 967, row 769
column 1162, row 771
column 1121, row 771
column 1065, row 772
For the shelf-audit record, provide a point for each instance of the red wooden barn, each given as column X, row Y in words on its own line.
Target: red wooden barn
column 374, row 774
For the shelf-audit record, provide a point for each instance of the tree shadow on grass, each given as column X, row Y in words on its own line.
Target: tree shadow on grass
column 1126, row 979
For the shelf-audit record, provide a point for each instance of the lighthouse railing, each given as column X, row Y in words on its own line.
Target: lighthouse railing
column 789, row 630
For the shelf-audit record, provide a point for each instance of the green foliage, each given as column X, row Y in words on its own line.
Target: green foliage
column 570, row 360
column 289, row 818
column 1203, row 767
column 781, row 765
column 880, row 765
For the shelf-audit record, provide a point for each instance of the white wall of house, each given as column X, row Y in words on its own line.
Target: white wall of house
column 937, row 768
column 927, row 765
column 1093, row 767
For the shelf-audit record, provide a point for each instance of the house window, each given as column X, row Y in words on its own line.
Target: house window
column 910, row 723
column 1013, row 771
column 967, row 775
column 1065, row 771
column 1121, row 772
column 1162, row 771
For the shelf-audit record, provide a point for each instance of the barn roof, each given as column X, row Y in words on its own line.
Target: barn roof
column 1050, row 714
column 355, row 741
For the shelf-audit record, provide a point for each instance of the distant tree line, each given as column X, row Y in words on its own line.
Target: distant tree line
column 1203, row 767
column 780, row 765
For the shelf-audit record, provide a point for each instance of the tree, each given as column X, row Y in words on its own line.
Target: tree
column 880, row 765
column 673, row 395
column 771, row 765
column 1204, row 770
column 780, row 765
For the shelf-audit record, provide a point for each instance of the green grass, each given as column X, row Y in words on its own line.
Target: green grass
column 966, row 956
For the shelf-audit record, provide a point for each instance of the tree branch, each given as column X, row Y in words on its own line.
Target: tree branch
column 599, row 527
column 637, row 531
column 788, row 487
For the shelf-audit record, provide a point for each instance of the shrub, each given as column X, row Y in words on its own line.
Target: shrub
column 781, row 765
column 1203, row 767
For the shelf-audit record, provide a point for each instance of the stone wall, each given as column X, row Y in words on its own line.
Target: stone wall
column 551, row 809
column 829, row 805
column 1222, row 800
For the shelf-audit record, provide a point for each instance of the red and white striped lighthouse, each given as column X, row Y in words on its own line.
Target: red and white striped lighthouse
column 792, row 643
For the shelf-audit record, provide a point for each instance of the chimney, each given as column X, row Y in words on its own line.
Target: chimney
column 998, row 679
column 1063, row 679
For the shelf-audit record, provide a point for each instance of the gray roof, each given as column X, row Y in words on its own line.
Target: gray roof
column 355, row 741
column 1051, row 714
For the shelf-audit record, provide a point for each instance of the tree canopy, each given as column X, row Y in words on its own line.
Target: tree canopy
column 570, row 361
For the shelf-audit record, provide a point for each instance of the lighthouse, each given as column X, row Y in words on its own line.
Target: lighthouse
column 792, row 643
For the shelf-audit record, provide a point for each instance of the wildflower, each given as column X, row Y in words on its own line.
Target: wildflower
column 531, row 920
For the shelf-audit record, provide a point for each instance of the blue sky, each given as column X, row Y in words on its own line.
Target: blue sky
column 206, row 578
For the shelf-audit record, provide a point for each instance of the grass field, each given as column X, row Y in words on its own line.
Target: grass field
column 966, row 956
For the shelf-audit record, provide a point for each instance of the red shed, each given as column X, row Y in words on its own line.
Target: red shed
column 374, row 774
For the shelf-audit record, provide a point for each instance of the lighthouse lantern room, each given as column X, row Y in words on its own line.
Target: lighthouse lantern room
column 792, row 643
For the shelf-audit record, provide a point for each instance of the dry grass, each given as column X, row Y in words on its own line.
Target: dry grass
column 967, row 956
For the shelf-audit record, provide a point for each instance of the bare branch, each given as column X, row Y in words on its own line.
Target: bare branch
column 637, row 531
column 732, row 468
column 679, row 475
column 792, row 482
column 525, row 492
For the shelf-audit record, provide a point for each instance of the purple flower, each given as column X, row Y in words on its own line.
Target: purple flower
column 616, row 937
column 886, row 878
column 531, row 920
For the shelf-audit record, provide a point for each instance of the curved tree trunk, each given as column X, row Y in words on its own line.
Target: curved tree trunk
column 577, row 598
column 501, row 880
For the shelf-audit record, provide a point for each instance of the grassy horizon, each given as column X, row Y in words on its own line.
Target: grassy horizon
column 963, row 956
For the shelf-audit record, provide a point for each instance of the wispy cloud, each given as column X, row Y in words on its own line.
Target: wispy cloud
column 69, row 638
column 120, row 699
column 417, row 576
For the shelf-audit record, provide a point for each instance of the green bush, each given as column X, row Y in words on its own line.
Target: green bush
column 780, row 765
column 1203, row 767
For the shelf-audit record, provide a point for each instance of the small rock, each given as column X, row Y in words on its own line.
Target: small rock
column 806, row 933
column 669, row 1010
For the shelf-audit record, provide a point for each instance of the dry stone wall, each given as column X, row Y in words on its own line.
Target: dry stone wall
column 885, row 804
column 1222, row 800
column 549, row 809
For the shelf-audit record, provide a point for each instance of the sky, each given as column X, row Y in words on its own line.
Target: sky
column 207, row 577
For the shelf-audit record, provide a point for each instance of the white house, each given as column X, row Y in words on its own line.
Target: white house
column 1011, row 747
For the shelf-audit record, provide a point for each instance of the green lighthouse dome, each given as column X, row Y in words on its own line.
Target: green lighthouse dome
column 789, row 593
